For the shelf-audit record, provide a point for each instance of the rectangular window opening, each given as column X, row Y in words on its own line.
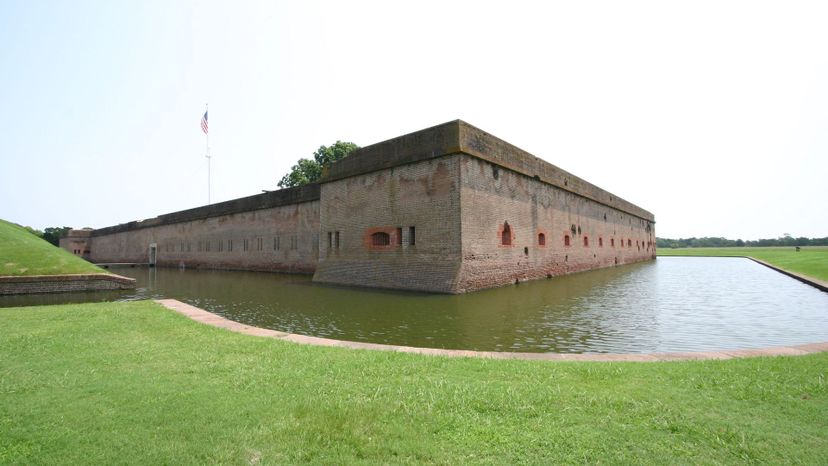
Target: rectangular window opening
column 412, row 236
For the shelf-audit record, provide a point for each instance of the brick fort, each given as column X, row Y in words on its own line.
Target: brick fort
column 448, row 209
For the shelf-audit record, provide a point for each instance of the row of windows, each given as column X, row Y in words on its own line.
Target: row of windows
column 506, row 239
column 334, row 240
column 567, row 242
column 228, row 245
column 246, row 244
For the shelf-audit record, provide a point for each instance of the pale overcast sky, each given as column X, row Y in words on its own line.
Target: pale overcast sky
column 712, row 115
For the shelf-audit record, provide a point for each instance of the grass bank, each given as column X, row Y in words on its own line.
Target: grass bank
column 810, row 260
column 136, row 383
column 22, row 253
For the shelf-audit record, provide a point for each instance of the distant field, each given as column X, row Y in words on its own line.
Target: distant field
column 22, row 253
column 810, row 260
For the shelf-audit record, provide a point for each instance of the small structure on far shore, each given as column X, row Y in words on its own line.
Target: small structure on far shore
column 77, row 242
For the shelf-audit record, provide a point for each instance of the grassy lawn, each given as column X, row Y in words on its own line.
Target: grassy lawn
column 811, row 260
column 22, row 253
column 135, row 383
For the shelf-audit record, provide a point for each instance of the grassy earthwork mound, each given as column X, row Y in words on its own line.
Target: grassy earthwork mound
column 22, row 253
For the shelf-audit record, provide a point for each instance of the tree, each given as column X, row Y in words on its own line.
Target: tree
column 310, row 171
column 339, row 150
column 53, row 234
column 305, row 171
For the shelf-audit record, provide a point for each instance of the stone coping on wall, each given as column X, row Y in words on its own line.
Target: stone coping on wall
column 459, row 137
column 33, row 284
column 808, row 280
column 816, row 283
column 270, row 199
column 205, row 317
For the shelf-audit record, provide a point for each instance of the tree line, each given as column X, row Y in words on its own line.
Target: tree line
column 718, row 242
column 50, row 234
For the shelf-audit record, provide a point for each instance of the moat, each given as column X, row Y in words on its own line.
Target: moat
column 672, row 304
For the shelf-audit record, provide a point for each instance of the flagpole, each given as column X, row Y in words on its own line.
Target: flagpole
column 207, row 154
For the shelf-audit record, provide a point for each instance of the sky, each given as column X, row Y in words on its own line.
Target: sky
column 711, row 115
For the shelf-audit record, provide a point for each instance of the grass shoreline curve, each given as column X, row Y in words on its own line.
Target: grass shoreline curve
column 136, row 383
column 810, row 260
column 208, row 318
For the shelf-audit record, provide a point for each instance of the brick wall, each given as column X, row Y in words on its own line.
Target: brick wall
column 76, row 242
column 283, row 238
column 492, row 196
column 64, row 283
column 455, row 137
column 460, row 228
column 424, row 195
column 482, row 145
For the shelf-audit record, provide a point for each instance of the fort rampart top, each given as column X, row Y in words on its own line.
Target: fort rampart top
column 460, row 137
column 266, row 200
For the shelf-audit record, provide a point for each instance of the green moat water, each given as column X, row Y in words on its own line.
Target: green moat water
column 672, row 304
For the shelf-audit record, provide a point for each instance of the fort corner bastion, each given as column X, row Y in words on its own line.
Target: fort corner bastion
column 448, row 209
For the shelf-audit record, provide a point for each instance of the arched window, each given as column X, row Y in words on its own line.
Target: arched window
column 506, row 235
column 600, row 242
column 586, row 241
column 629, row 243
column 566, row 240
column 612, row 242
column 380, row 239
column 541, row 239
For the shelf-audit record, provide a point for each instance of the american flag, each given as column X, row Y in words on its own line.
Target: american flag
column 204, row 123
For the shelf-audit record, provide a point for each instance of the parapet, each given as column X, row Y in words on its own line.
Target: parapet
column 82, row 233
column 307, row 193
column 459, row 137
